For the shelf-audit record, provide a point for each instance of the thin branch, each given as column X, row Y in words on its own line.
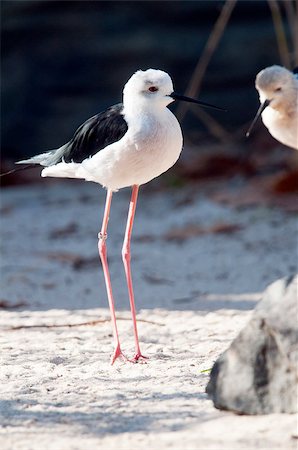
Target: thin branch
column 213, row 40
column 80, row 324
column 296, row 36
column 292, row 18
column 283, row 49
column 213, row 126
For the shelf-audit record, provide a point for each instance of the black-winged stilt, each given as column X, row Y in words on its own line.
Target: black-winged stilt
column 278, row 91
column 129, row 144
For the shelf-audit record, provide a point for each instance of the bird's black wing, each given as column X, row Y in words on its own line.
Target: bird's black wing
column 95, row 134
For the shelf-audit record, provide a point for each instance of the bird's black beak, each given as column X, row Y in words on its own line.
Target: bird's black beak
column 259, row 112
column 183, row 98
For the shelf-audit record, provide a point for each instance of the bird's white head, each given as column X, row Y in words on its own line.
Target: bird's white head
column 151, row 88
column 278, row 89
column 278, row 86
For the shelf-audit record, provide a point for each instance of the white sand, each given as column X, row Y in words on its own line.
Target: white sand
column 58, row 390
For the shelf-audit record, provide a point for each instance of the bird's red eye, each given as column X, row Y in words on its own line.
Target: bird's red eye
column 153, row 89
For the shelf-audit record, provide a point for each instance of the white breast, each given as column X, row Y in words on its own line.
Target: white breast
column 282, row 128
column 150, row 147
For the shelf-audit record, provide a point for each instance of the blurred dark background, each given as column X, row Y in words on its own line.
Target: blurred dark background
column 64, row 61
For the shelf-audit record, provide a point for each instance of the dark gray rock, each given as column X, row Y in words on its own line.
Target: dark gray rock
column 258, row 374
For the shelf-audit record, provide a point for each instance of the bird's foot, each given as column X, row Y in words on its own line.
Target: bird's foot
column 118, row 354
column 139, row 358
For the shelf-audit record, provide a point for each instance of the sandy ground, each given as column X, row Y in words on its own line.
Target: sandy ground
column 199, row 269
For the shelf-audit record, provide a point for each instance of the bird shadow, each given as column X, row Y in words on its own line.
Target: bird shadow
column 104, row 417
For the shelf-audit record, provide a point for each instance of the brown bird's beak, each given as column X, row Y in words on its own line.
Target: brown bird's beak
column 259, row 112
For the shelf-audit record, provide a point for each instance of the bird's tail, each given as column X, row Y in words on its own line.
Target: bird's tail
column 43, row 159
column 29, row 163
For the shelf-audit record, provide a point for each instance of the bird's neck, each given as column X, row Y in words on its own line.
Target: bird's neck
column 140, row 110
column 287, row 108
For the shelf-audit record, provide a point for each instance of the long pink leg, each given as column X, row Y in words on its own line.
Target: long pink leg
column 126, row 261
column 102, row 248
